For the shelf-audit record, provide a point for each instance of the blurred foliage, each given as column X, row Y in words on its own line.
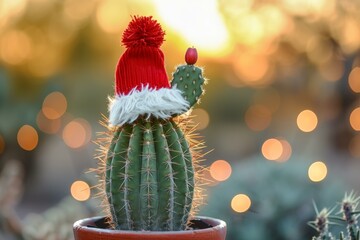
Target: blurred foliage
column 56, row 222
column 10, row 192
column 281, row 199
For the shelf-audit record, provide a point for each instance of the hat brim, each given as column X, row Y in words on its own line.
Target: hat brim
column 160, row 103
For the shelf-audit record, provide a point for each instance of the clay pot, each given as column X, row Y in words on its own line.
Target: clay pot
column 95, row 228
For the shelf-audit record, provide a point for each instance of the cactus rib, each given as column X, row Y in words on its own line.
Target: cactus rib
column 149, row 176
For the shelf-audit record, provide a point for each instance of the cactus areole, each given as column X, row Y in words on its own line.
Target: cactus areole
column 148, row 173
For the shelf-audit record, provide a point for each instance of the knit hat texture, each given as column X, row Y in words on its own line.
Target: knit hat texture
column 142, row 87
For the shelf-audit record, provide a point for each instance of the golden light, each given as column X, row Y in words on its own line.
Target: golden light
column 77, row 133
column 220, row 170
column 306, row 7
column 251, row 69
column 201, row 118
column 80, row 190
column 354, row 79
column 10, row 10
column 249, row 29
column 2, row 144
column 110, row 15
column 354, row 146
column 240, row 203
column 332, row 71
column 15, row 47
column 350, row 35
column 54, row 105
column 47, row 125
column 274, row 19
column 355, row 119
column 27, row 138
column 317, row 171
column 40, row 64
column 287, row 151
column 272, row 149
column 199, row 22
column 307, row 121
column 258, row 117
column 78, row 10
column 319, row 50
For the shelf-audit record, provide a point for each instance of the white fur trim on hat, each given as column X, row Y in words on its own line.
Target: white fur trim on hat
column 161, row 103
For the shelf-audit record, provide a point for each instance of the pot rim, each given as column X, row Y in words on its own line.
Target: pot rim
column 217, row 225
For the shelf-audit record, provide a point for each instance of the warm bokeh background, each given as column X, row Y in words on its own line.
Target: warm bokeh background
column 281, row 110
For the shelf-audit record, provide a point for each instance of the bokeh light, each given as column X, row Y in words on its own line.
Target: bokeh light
column 272, row 149
column 354, row 79
column 355, row 119
column 317, row 171
column 201, row 118
column 27, row 138
column 351, row 35
column 251, row 69
column 307, row 121
column 258, row 117
column 2, row 144
column 80, row 190
column 77, row 133
column 220, row 170
column 54, row 105
column 47, row 125
column 11, row 9
column 240, row 203
column 286, row 151
column 15, row 47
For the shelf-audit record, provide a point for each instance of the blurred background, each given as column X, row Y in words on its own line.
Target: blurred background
column 281, row 110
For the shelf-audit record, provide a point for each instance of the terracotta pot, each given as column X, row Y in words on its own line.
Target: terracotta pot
column 88, row 229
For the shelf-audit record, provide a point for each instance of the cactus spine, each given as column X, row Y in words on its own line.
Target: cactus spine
column 188, row 78
column 148, row 165
column 149, row 176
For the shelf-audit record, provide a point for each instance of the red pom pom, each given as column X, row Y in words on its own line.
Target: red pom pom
column 143, row 31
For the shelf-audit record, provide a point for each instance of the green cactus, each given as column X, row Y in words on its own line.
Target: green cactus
column 189, row 79
column 350, row 215
column 149, row 176
column 148, row 160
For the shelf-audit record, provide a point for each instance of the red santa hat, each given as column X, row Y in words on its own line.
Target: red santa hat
column 141, row 83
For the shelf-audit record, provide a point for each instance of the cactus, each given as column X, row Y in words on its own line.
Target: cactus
column 149, row 177
column 350, row 214
column 148, row 168
column 188, row 78
column 321, row 224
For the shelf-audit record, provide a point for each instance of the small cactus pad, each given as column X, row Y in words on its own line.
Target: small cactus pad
column 149, row 176
column 189, row 79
